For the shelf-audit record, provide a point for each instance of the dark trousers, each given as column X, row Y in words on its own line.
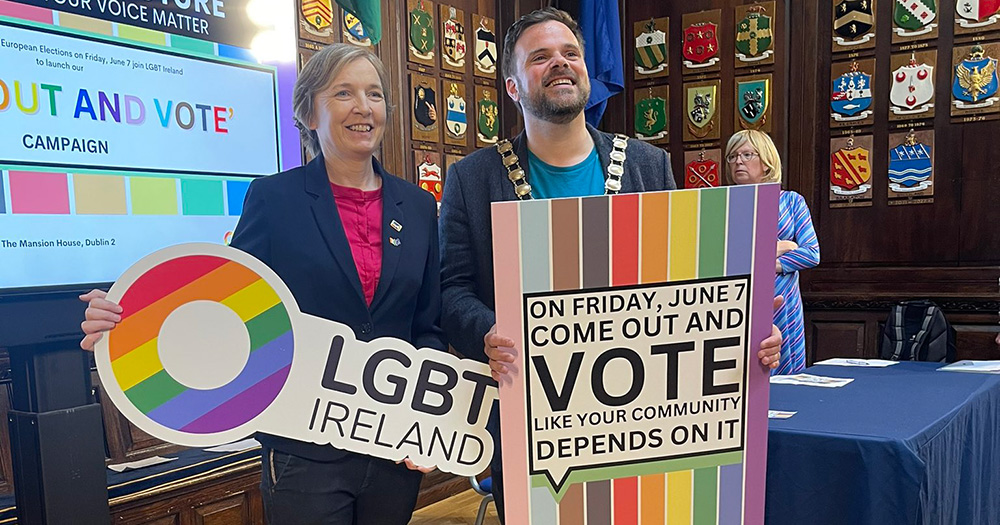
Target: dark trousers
column 496, row 465
column 353, row 490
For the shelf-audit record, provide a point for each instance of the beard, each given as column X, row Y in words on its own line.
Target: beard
column 558, row 111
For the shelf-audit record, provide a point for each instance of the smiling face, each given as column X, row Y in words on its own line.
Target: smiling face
column 550, row 77
column 349, row 114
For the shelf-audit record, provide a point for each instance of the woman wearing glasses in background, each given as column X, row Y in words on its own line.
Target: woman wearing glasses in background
column 751, row 158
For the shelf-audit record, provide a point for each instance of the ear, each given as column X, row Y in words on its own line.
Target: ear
column 512, row 92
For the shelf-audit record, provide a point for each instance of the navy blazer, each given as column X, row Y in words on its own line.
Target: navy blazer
column 467, row 228
column 291, row 223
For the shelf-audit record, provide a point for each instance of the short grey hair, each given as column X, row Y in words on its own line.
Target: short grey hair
column 317, row 74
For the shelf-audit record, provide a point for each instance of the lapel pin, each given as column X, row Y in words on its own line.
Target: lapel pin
column 394, row 241
column 396, row 226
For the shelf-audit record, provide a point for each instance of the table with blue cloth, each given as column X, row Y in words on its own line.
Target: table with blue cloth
column 903, row 444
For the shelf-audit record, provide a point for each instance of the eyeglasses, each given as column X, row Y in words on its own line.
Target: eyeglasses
column 746, row 156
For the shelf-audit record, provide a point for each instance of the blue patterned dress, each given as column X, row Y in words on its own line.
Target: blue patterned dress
column 794, row 224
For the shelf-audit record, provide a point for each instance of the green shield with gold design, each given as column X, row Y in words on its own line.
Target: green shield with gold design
column 489, row 124
column 650, row 116
column 421, row 30
column 753, row 34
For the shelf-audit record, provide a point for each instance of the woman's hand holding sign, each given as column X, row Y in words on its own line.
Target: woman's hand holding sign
column 101, row 315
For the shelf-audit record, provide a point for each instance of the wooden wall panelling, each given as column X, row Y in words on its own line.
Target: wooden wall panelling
column 834, row 338
column 227, row 497
column 782, row 93
column 6, row 466
column 123, row 440
column 872, row 257
column 979, row 236
column 234, row 510
column 396, row 53
column 438, row 485
column 392, row 50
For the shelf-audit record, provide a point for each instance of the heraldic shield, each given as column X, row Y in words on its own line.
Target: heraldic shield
column 355, row 31
column 651, row 118
column 854, row 18
column 701, row 103
column 977, row 13
column 914, row 16
column 455, row 119
column 703, row 173
column 700, row 42
column 486, row 50
column 318, row 13
column 651, row 49
column 753, row 34
column 851, row 93
column 850, row 171
column 424, row 107
column 912, row 88
column 487, row 122
column 429, row 176
column 975, row 80
column 752, row 99
column 421, row 32
column 454, row 42
column 910, row 166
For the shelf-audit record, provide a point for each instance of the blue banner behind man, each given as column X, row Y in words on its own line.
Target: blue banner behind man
column 603, row 54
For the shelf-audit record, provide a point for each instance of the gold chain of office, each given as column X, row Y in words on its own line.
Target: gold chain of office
column 612, row 184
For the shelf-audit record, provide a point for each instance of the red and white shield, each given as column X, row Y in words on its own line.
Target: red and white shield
column 977, row 9
column 912, row 85
column 700, row 42
column 429, row 176
column 701, row 174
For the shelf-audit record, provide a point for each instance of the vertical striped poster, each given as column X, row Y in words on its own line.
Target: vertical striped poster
column 637, row 396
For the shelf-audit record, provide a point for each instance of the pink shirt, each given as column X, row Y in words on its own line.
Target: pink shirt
column 361, row 214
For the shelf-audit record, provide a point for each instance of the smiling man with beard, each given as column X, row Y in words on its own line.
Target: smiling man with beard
column 557, row 155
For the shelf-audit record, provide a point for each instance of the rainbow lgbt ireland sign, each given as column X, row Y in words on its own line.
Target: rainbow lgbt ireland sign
column 212, row 348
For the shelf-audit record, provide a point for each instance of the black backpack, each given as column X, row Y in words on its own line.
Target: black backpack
column 917, row 331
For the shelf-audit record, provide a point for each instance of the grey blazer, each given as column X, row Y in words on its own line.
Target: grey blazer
column 466, row 229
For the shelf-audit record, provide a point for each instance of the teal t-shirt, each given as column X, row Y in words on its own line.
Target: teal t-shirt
column 552, row 182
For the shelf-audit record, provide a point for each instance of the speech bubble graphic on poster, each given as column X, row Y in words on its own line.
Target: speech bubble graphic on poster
column 212, row 347
column 647, row 373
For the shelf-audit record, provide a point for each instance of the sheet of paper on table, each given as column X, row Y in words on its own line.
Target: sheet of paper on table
column 982, row 367
column 134, row 465
column 811, row 380
column 843, row 361
column 238, row 446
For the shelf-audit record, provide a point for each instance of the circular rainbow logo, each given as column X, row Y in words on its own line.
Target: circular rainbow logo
column 134, row 345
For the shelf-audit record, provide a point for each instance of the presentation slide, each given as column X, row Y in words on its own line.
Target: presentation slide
column 71, row 101
column 118, row 139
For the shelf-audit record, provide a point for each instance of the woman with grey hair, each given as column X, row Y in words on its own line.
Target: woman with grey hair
column 354, row 244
